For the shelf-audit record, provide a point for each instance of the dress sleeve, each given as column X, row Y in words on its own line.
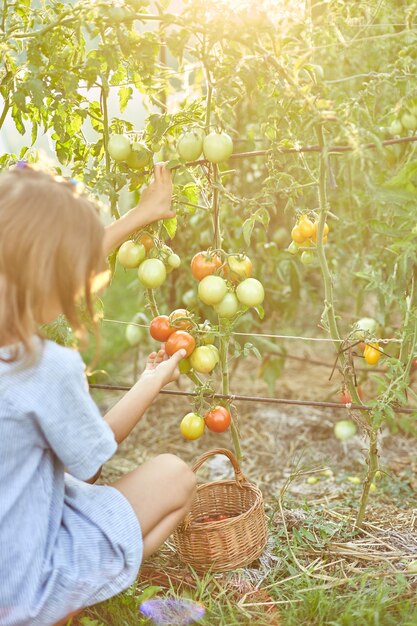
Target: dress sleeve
column 71, row 422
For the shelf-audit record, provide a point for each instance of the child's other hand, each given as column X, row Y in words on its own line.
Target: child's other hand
column 155, row 202
column 159, row 364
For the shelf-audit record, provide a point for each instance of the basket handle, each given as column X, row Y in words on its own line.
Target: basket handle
column 239, row 476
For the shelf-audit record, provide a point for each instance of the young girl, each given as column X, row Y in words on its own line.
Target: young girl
column 65, row 543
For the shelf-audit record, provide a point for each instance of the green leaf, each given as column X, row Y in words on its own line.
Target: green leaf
column 125, row 94
column 170, row 226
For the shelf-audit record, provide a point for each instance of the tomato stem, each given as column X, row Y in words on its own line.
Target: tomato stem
column 150, row 297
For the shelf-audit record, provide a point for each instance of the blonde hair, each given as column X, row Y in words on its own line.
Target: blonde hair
column 51, row 247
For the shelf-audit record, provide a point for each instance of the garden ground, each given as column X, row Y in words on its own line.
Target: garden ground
column 315, row 569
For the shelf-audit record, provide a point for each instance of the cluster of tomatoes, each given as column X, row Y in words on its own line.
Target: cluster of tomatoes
column 177, row 332
column 153, row 261
column 216, row 147
column 365, row 329
column 226, row 285
column 406, row 120
column 217, row 419
column 135, row 154
column 304, row 235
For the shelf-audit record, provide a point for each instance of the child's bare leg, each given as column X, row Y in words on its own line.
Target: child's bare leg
column 161, row 493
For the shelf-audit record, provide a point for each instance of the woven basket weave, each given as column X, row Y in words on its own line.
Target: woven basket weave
column 225, row 544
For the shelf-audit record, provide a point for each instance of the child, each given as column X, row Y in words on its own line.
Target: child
column 64, row 543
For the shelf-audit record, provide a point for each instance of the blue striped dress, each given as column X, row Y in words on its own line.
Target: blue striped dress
column 64, row 544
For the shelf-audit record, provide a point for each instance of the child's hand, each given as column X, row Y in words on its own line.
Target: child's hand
column 155, row 202
column 159, row 364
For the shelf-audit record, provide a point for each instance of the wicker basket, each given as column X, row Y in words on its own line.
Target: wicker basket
column 228, row 543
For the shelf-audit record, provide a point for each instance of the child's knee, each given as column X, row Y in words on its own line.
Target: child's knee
column 180, row 473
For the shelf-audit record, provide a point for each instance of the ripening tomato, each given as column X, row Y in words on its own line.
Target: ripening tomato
column 204, row 263
column 217, row 147
column 218, row 419
column 238, row 267
column 119, row 147
column 178, row 340
column 190, row 145
column 306, row 227
column 215, row 351
column 325, row 231
column 160, row 328
column 250, row 292
column 152, row 273
column 192, row 426
column 296, row 235
column 131, row 254
column 372, row 353
column 203, row 359
column 212, row 289
column 228, row 307
column 146, row 240
column 181, row 320
column 139, row 157
column 395, row 128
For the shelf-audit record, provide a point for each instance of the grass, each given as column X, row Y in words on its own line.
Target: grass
column 302, row 581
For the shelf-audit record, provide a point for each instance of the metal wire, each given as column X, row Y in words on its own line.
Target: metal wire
column 233, row 398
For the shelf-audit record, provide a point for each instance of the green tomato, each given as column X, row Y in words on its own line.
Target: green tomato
column 189, row 298
column 131, row 254
column 409, row 121
column 140, row 157
column 355, row 480
column 203, row 360
column 364, row 328
column 119, row 147
column 190, row 145
column 395, row 128
column 217, row 147
column 174, row 261
column 212, row 289
column 228, row 307
column 192, row 426
column 184, row 366
column 344, row 429
column 215, row 352
column 152, row 273
column 293, row 248
column 133, row 334
column 250, row 292
column 307, row 257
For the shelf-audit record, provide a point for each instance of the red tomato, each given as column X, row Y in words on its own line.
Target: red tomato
column 160, row 328
column 218, row 419
column 204, row 263
column 181, row 324
column 180, row 339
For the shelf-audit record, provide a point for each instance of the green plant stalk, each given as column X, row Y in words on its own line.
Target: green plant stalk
column 150, row 297
column 372, row 459
column 4, row 112
column 224, row 366
column 216, row 208
column 104, row 96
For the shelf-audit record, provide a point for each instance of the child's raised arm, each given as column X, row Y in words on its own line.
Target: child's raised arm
column 160, row 370
column 155, row 204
